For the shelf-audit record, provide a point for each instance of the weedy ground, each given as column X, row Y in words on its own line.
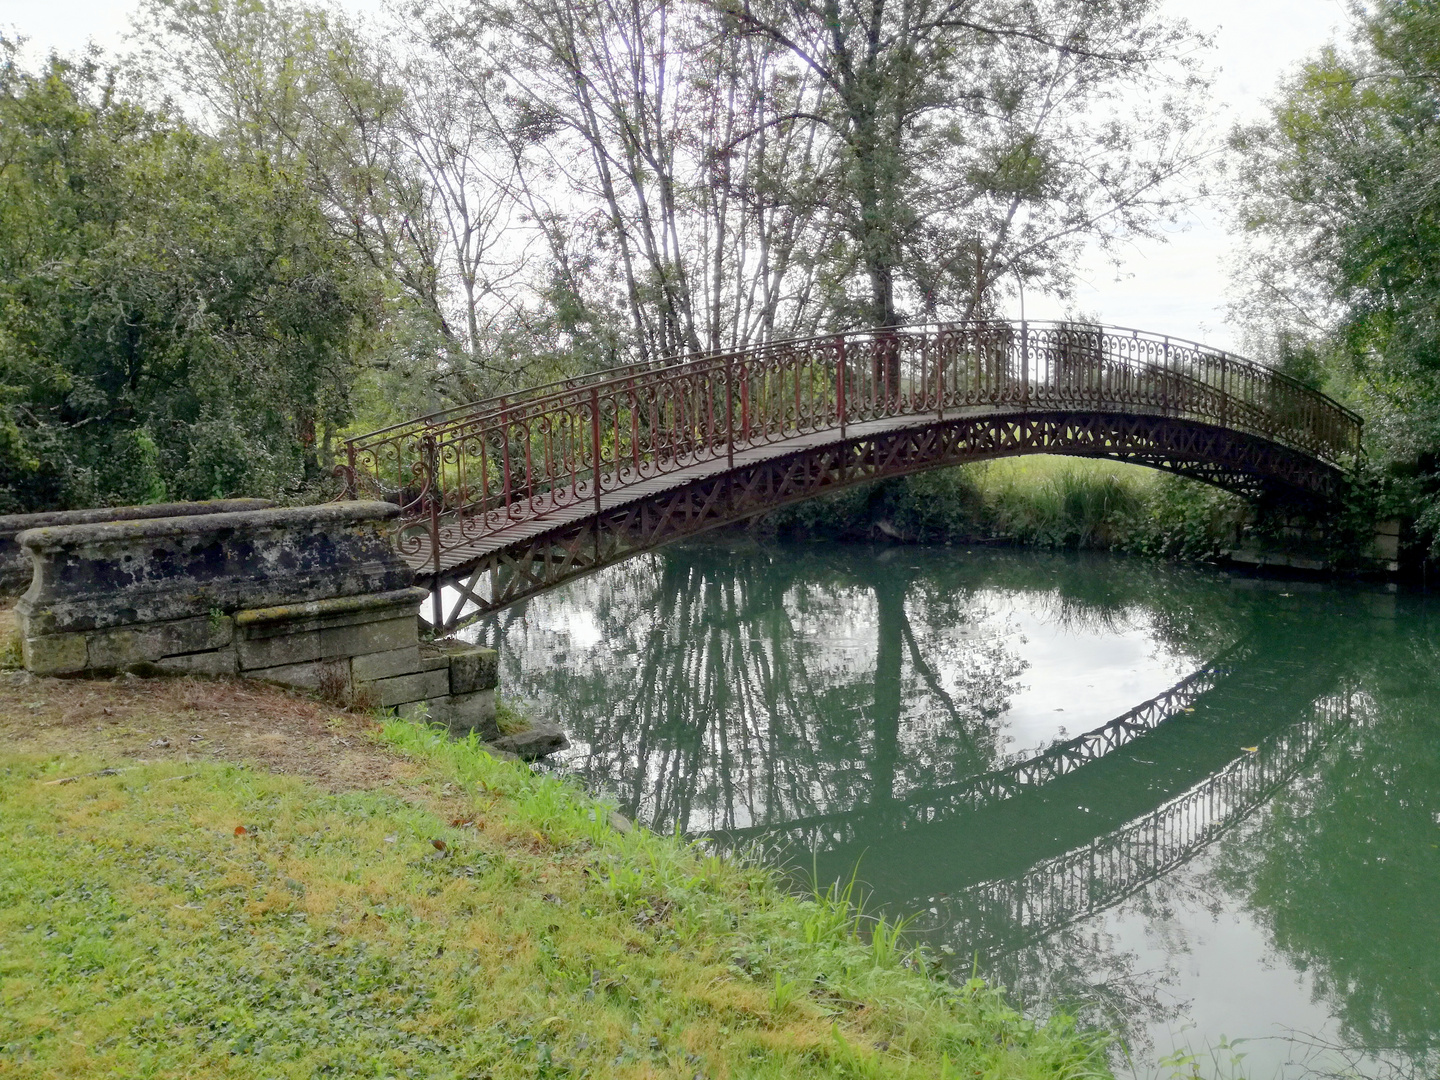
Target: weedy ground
column 219, row 879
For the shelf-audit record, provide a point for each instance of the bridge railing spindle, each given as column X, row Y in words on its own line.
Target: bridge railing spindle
column 730, row 410
column 1024, row 362
column 595, row 440
column 431, row 465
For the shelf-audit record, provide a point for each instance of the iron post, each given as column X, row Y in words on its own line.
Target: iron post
column 595, row 439
column 730, row 410
column 432, row 462
column 1024, row 362
column 351, row 488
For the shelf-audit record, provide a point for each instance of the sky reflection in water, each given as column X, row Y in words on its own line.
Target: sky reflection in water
column 1261, row 862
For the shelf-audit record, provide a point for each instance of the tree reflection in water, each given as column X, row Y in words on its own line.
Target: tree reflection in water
column 730, row 688
column 1343, row 869
column 721, row 687
column 744, row 689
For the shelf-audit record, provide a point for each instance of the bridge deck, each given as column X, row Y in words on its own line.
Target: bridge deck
column 542, row 515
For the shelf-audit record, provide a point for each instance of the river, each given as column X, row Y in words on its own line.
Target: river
column 1201, row 809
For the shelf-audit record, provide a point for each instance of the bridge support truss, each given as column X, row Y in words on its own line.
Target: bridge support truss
column 510, row 572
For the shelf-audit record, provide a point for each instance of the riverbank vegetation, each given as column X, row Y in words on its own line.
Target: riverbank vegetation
column 435, row 913
column 1047, row 502
column 1079, row 504
column 271, row 223
column 1339, row 284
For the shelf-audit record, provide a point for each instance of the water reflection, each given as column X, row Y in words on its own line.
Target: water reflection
column 730, row 689
column 1253, row 852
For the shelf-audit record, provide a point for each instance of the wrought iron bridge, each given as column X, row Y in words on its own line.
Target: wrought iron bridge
column 507, row 497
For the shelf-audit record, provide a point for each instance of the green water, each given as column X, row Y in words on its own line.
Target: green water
column 1256, row 859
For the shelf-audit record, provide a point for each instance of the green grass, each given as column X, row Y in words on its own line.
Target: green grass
column 1066, row 503
column 1038, row 500
column 140, row 936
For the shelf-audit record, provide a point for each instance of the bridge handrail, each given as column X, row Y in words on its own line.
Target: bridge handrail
column 495, row 463
column 441, row 418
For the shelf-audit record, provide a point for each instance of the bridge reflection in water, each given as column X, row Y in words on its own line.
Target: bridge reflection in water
column 985, row 789
column 1049, row 892
column 1010, row 913
column 854, row 707
column 886, row 766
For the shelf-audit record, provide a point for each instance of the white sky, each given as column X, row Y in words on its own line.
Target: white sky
column 1176, row 287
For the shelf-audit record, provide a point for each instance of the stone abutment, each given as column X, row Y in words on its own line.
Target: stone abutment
column 313, row 597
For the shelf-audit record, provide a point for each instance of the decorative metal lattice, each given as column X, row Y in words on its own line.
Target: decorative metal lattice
column 505, row 497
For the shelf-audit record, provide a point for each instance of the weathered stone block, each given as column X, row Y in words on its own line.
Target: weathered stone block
column 472, row 667
column 330, row 614
column 421, row 686
column 384, row 665
column 534, row 742
column 16, row 568
column 463, row 713
column 54, row 654
column 413, row 710
column 117, row 649
column 217, row 662
column 372, row 637
column 304, row 597
column 277, row 650
column 99, row 576
column 331, row 676
column 343, row 626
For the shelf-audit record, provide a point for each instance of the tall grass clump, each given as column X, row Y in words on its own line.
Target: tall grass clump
column 1059, row 503
column 1065, row 504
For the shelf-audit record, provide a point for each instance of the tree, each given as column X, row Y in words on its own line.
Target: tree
column 979, row 141
column 901, row 159
column 1341, row 278
column 642, row 153
column 174, row 322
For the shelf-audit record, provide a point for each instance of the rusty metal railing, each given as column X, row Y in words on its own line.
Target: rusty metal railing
column 466, row 474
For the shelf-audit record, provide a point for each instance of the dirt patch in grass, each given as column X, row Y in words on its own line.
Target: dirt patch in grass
column 193, row 719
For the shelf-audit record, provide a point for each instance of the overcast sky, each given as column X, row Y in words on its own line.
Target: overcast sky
column 1177, row 287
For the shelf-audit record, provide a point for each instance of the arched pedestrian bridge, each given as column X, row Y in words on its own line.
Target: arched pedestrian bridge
column 510, row 496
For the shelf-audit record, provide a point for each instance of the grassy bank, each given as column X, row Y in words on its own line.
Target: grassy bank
column 465, row 918
column 1043, row 501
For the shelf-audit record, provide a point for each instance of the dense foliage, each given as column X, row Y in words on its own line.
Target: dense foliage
column 1048, row 502
column 176, row 320
column 1344, row 277
column 350, row 223
column 284, row 222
